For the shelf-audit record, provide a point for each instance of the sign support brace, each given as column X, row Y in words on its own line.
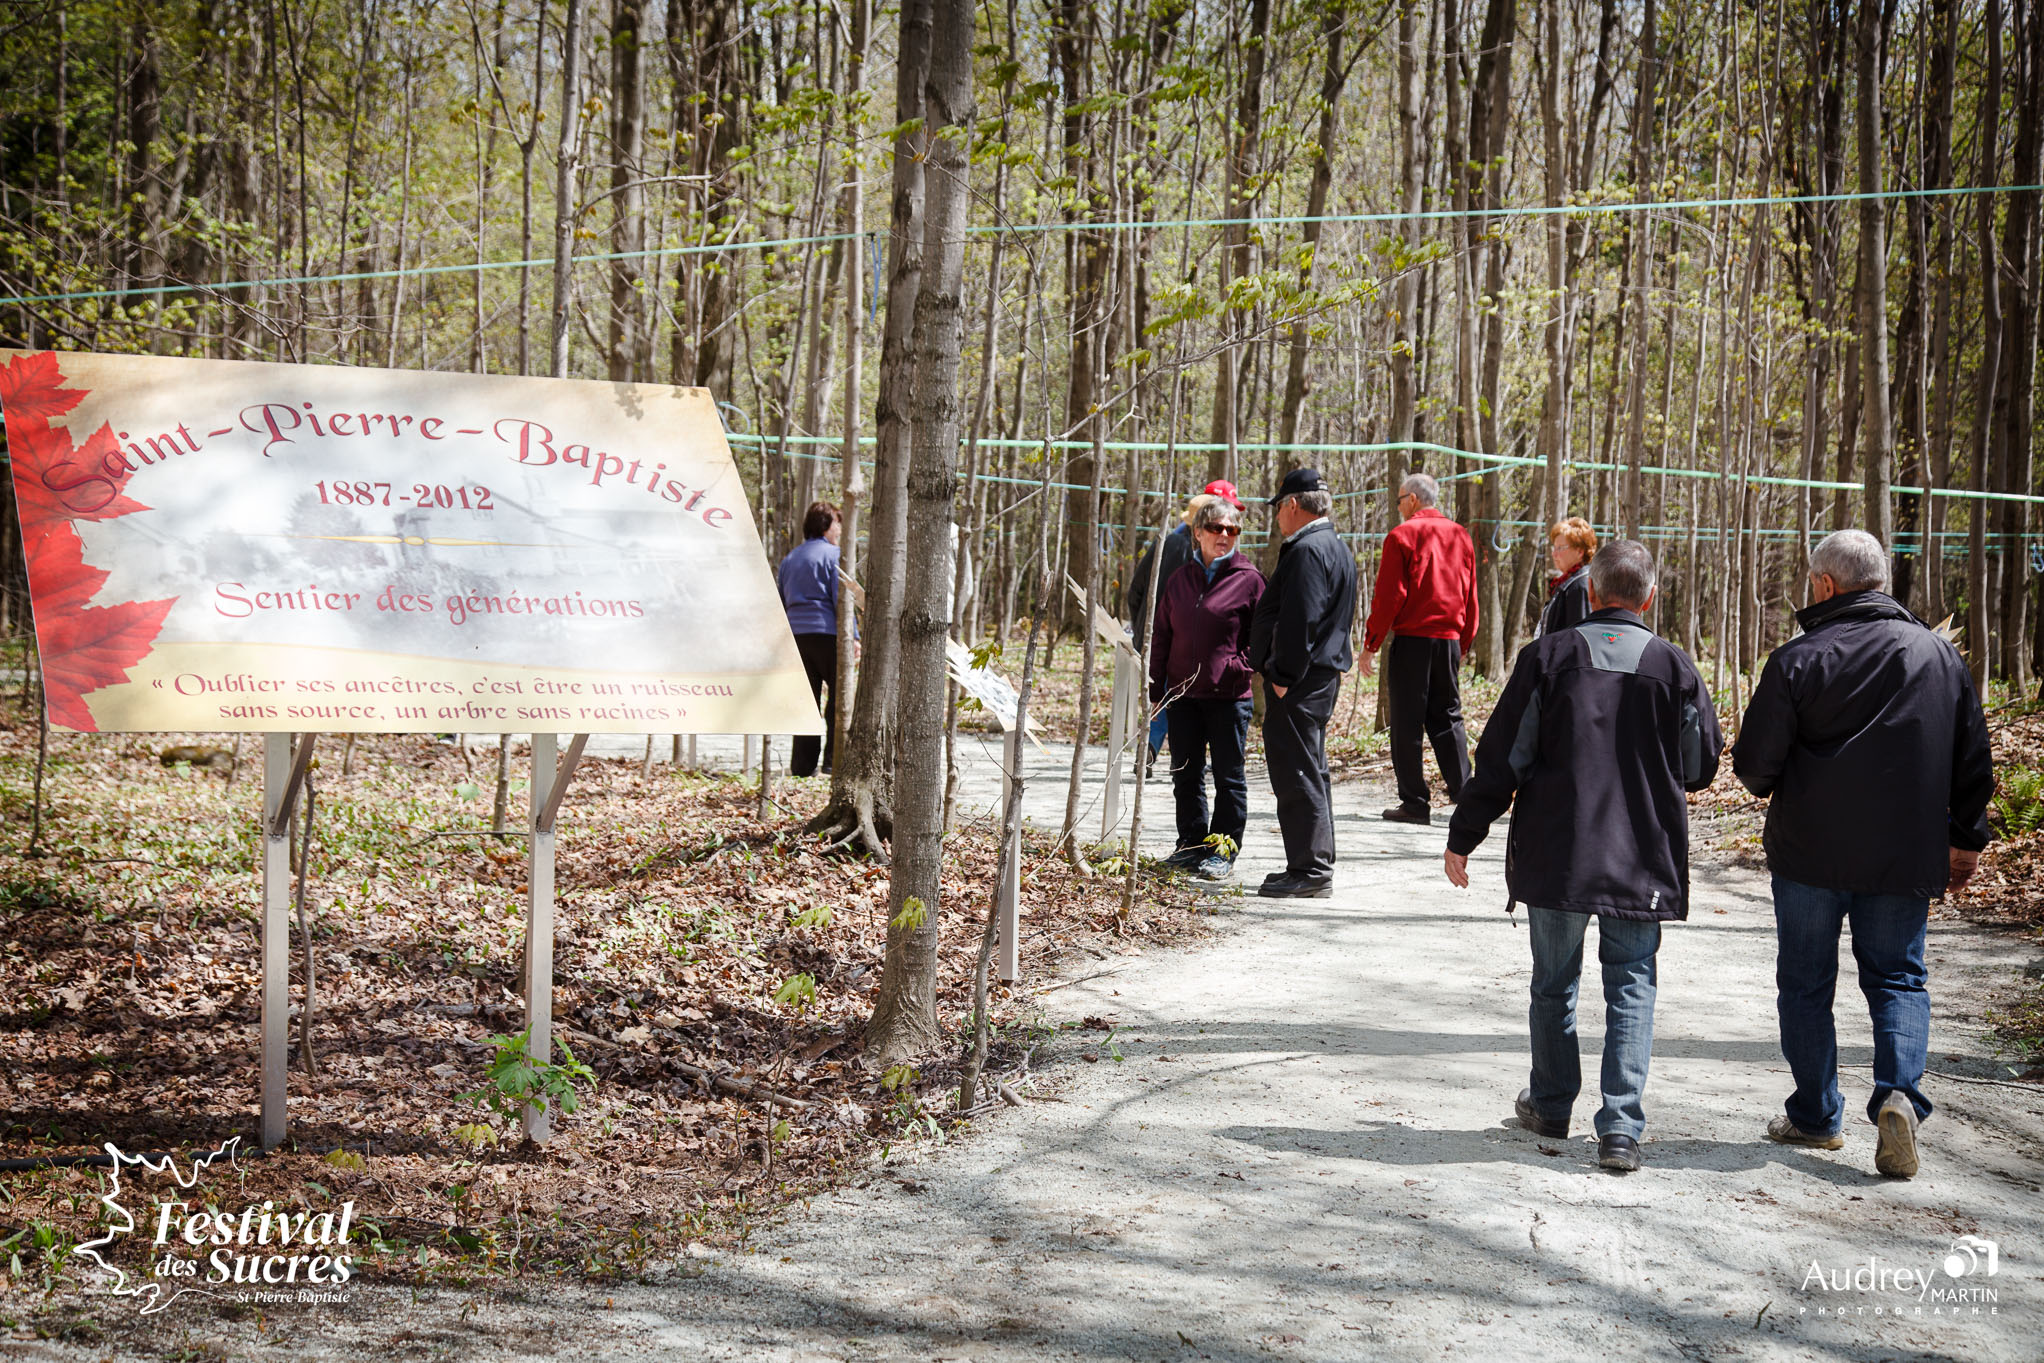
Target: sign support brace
column 549, row 784
column 283, row 777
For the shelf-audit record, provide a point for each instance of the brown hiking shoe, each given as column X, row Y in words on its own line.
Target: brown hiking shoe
column 1895, row 1152
column 1786, row 1132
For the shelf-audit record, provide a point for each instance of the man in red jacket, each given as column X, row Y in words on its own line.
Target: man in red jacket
column 1425, row 600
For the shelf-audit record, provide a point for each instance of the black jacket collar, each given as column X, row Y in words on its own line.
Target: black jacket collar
column 1323, row 525
column 1867, row 604
column 1618, row 615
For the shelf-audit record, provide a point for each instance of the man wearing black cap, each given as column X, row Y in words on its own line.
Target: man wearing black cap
column 1299, row 642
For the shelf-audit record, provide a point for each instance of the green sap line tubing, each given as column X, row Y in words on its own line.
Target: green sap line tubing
column 1503, row 462
column 1031, row 229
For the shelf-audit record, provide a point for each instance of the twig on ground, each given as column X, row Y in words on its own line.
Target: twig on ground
column 726, row 1082
column 2027, row 1085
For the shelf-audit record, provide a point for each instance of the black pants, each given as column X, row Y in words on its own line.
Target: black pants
column 1424, row 699
column 1295, row 747
column 819, row 660
column 1200, row 728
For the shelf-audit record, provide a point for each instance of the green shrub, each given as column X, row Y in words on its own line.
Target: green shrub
column 2019, row 803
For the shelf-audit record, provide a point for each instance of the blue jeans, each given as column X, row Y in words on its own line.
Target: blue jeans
column 1887, row 942
column 1218, row 729
column 1625, row 949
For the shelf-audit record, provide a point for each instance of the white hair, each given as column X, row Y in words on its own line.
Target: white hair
column 1853, row 560
column 1422, row 486
column 1622, row 574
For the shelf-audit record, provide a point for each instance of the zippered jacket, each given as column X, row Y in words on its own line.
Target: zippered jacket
column 1568, row 601
column 1601, row 730
column 1866, row 737
column 1304, row 619
column 1426, row 583
column 1177, row 549
column 1202, row 646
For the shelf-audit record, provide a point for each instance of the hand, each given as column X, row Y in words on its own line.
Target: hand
column 858, row 650
column 1278, row 691
column 1963, row 863
column 1369, row 662
column 1457, row 867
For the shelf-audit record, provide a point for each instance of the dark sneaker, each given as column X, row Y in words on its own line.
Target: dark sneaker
column 1296, row 887
column 1216, row 867
column 1185, row 858
column 1618, row 1153
column 1530, row 1118
column 1785, row 1132
column 1895, row 1152
column 1418, row 814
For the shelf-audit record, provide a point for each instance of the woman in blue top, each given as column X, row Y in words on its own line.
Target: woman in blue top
column 809, row 585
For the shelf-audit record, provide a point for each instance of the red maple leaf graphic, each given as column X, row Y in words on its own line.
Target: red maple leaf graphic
column 54, row 479
column 32, row 388
column 56, row 484
column 83, row 647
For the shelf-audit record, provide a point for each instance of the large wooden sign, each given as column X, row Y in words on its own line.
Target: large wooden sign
column 222, row 545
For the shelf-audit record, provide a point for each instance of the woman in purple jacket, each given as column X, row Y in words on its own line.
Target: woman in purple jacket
column 1199, row 671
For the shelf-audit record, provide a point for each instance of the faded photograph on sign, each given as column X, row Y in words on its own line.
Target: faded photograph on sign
column 224, row 545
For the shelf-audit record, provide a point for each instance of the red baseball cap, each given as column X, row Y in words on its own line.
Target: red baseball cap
column 1221, row 487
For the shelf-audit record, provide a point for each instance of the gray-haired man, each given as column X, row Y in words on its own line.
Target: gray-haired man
column 1599, row 720
column 1425, row 603
column 1867, row 735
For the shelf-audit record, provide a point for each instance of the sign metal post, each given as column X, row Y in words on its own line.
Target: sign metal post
column 549, row 784
column 1008, row 890
column 276, row 930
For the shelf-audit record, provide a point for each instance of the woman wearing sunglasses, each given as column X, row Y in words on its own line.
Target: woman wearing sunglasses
column 1199, row 673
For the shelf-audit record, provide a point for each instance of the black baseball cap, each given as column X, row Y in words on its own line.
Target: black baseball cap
column 1297, row 481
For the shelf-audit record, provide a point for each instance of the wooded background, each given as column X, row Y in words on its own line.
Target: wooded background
column 394, row 160
column 1721, row 276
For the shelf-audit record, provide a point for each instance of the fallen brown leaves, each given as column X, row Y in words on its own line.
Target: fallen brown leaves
column 132, row 951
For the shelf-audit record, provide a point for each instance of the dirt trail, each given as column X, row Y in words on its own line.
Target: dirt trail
column 1304, row 1150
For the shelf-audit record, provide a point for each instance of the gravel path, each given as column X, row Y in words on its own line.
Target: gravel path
column 1304, row 1149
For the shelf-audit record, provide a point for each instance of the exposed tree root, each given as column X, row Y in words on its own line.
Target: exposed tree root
column 857, row 822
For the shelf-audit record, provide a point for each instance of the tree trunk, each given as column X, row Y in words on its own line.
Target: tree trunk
column 853, row 476
column 862, row 781
column 1553, row 433
column 1876, row 418
column 2013, row 398
column 904, row 1020
column 626, row 359
column 1638, row 256
column 1937, row 142
column 568, row 160
column 1334, row 74
column 1978, row 641
column 1242, row 144
column 1490, row 107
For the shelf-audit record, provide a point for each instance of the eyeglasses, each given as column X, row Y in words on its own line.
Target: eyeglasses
column 1224, row 530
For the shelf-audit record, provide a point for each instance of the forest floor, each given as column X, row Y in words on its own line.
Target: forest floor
column 705, row 959
column 1294, row 1140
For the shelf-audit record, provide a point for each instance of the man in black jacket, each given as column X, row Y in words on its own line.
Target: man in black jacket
column 1866, row 733
column 1298, row 640
column 1601, row 730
